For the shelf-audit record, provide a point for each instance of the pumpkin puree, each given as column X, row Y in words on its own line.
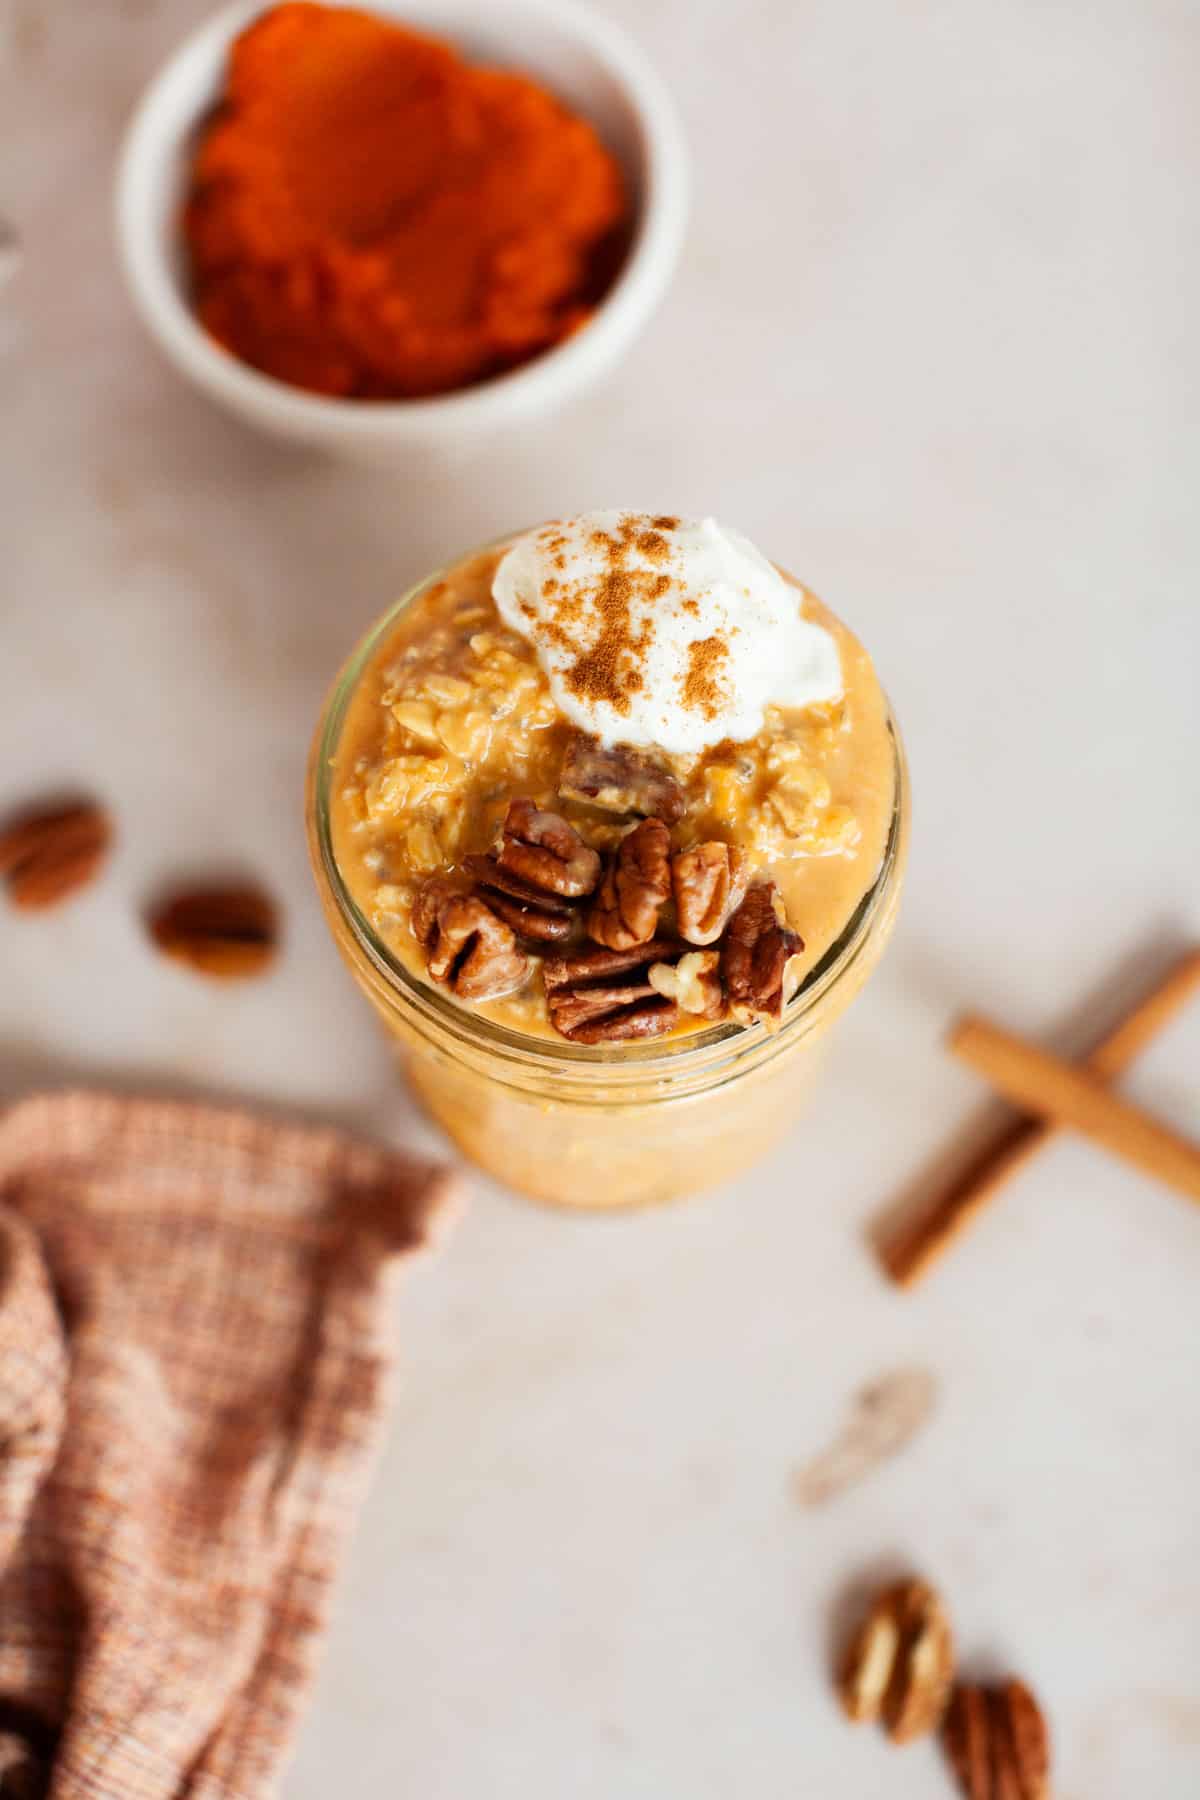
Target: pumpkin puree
column 370, row 215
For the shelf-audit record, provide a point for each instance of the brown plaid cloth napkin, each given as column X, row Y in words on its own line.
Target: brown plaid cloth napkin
column 194, row 1310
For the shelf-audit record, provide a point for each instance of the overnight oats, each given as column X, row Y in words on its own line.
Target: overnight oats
column 609, row 822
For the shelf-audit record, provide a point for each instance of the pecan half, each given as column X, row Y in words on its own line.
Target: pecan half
column 966, row 1740
column 467, row 948
column 543, row 918
column 619, row 780
column 1021, row 1726
column 542, row 849
column 755, row 953
column 693, row 983
column 228, row 933
column 427, row 903
column 997, row 1743
column 594, row 964
column 51, row 853
column 710, row 884
column 636, row 886
column 900, row 1663
column 590, row 1003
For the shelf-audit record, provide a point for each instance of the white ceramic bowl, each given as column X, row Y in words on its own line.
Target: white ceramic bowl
column 583, row 58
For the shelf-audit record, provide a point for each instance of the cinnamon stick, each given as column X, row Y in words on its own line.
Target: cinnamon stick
column 909, row 1253
column 1043, row 1084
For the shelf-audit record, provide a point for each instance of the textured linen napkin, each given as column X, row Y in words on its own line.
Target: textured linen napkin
column 194, row 1313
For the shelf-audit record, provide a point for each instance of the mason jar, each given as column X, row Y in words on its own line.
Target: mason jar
column 605, row 1125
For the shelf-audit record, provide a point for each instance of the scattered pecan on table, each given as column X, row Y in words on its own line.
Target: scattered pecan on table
column 542, row 849
column 48, row 854
column 900, row 1664
column 997, row 1743
column 635, row 888
column 599, row 996
column 467, row 948
column 226, row 932
column 619, row 780
column 755, row 953
column 709, row 883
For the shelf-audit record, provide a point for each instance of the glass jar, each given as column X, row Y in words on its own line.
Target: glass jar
column 605, row 1125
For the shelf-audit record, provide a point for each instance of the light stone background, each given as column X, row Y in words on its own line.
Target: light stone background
column 933, row 343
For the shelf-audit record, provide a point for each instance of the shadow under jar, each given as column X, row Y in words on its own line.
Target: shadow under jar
column 607, row 1125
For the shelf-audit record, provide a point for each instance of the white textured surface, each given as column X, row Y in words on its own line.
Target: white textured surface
column 933, row 345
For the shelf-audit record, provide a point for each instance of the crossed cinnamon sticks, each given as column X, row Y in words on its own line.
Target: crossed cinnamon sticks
column 1058, row 1095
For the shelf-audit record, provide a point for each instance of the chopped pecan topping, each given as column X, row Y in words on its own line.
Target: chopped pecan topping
column 49, row 854
column 590, row 1003
column 542, row 849
column 609, row 1015
column 755, row 953
column 426, row 904
column 619, row 780
column 596, row 965
column 229, row 933
column 901, row 1662
column 467, row 947
column 710, row 884
column 997, row 1743
column 693, row 983
column 636, row 885
column 543, row 918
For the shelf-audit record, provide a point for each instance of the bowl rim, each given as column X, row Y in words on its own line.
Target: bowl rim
column 157, row 128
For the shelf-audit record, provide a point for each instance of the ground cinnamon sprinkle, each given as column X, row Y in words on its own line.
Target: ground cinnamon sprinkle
column 609, row 670
column 371, row 216
column 654, row 546
column 702, row 687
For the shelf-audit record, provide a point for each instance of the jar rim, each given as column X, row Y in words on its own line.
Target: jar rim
column 445, row 1017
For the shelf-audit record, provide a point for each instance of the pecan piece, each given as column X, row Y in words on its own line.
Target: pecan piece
column 997, row 1743
column 619, row 780
column 755, row 953
column 49, row 854
column 467, row 948
column 542, row 849
column 1021, row 1725
column 606, row 1015
column 636, row 886
column 531, row 913
column 597, row 965
column 427, row 902
column 228, row 933
column 589, row 1003
column 693, row 983
column 901, row 1662
column 710, row 884
column 966, row 1740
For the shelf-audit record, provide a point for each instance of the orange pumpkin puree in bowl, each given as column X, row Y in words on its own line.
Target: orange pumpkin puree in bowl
column 371, row 216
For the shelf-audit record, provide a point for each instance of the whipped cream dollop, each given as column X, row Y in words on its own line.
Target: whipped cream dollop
column 659, row 631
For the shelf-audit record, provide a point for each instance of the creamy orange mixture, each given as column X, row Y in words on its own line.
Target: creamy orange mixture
column 452, row 719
